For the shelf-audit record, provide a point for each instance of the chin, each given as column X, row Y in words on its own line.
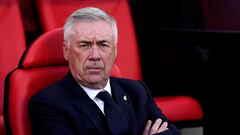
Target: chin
column 96, row 79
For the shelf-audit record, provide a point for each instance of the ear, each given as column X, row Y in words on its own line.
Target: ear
column 116, row 49
column 65, row 50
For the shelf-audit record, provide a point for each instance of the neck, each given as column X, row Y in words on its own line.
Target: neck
column 96, row 86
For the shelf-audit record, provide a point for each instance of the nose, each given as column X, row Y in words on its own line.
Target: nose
column 94, row 53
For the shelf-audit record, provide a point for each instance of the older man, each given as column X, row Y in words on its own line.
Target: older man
column 88, row 101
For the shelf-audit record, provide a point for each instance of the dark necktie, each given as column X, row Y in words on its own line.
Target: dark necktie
column 115, row 119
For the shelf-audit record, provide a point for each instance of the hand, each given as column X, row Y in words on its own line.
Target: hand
column 157, row 127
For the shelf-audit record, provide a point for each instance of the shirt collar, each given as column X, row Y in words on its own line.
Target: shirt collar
column 92, row 93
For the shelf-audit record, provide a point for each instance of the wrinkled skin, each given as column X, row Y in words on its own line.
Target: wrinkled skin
column 91, row 53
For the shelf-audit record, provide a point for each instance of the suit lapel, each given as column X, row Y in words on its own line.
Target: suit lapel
column 123, row 101
column 89, row 109
column 83, row 103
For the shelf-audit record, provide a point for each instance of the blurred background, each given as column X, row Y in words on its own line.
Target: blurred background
column 191, row 47
column 187, row 47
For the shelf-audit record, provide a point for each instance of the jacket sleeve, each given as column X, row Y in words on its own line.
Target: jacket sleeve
column 46, row 118
column 154, row 113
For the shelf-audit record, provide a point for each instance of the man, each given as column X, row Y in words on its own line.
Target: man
column 87, row 101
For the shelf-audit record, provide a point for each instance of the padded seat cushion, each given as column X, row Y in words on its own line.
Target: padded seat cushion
column 180, row 108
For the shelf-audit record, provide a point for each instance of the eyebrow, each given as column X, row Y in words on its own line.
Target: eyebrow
column 99, row 41
column 83, row 41
column 102, row 41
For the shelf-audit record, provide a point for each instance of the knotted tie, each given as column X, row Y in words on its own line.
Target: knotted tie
column 115, row 119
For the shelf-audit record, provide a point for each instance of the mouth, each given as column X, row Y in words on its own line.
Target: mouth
column 94, row 69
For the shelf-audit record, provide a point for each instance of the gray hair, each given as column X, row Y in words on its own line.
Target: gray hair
column 89, row 14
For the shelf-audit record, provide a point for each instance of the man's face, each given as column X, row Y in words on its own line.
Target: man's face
column 91, row 53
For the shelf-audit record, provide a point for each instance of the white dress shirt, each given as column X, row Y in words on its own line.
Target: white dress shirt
column 92, row 93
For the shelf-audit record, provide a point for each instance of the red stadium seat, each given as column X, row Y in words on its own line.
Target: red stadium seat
column 41, row 65
column 53, row 14
column 180, row 108
column 12, row 44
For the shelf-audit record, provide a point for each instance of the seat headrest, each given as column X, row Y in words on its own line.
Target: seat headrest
column 47, row 50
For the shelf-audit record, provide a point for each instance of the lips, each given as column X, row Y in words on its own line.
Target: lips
column 94, row 66
column 94, row 69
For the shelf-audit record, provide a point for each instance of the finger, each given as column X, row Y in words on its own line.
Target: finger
column 147, row 127
column 163, row 127
column 156, row 126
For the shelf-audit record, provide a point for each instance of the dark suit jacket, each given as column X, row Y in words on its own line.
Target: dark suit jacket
column 65, row 109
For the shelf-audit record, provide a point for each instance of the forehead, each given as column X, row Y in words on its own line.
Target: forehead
column 90, row 30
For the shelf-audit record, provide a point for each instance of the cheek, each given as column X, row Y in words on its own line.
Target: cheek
column 114, row 55
column 110, row 60
column 76, row 59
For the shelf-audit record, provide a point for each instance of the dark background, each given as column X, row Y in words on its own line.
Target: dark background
column 187, row 47
column 190, row 47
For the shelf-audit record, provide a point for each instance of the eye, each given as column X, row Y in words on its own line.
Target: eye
column 83, row 46
column 104, row 44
